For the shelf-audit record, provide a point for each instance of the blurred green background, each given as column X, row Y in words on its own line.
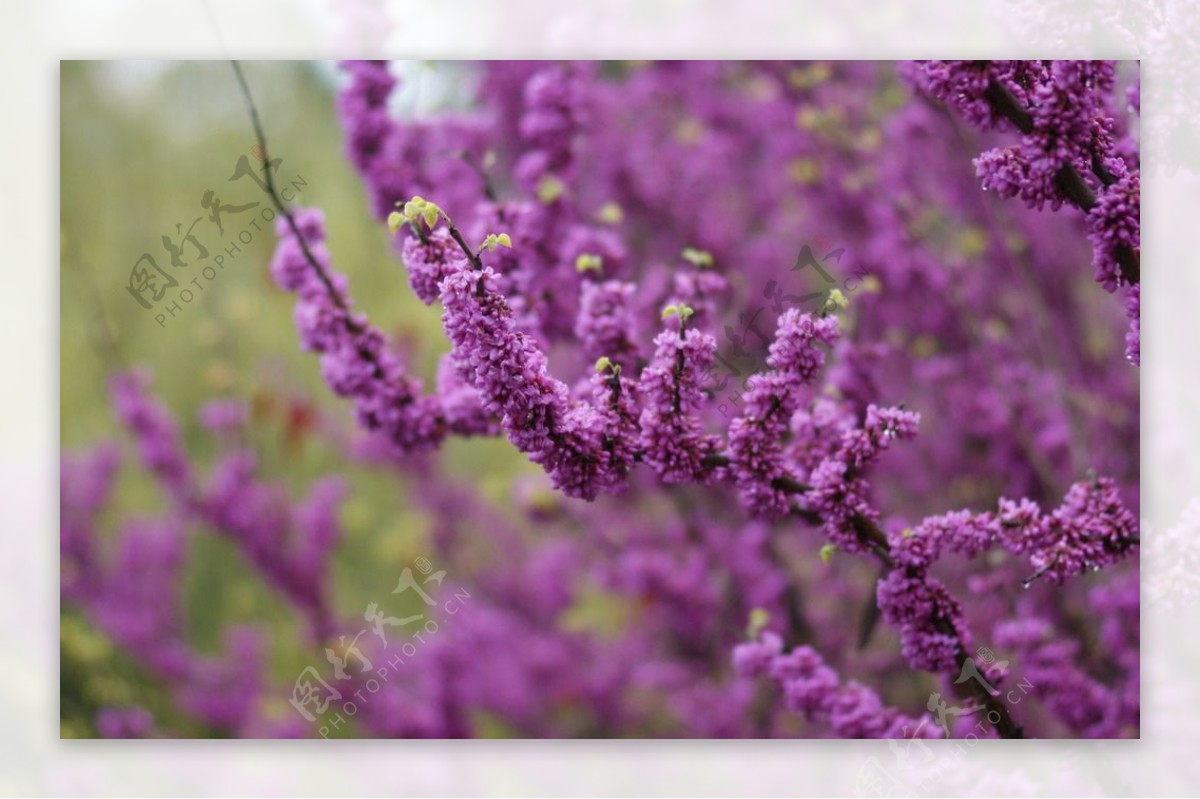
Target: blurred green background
column 140, row 144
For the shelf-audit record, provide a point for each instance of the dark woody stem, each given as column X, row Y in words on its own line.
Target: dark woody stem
column 281, row 208
column 875, row 540
column 1067, row 179
column 347, row 319
column 1005, row 725
column 872, row 536
column 457, row 235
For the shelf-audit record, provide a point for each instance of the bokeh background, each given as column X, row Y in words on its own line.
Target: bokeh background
column 42, row 33
column 161, row 136
column 141, row 144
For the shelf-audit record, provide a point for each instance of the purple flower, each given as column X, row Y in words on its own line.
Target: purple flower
column 85, row 485
column 1115, row 222
column 606, row 326
column 158, row 441
column 1133, row 310
column 1090, row 530
column 623, row 188
column 1005, row 171
column 673, row 440
column 964, row 85
column 363, row 107
column 430, row 261
column 755, row 437
column 755, row 658
column 810, row 687
column 555, row 110
column 1069, row 151
column 929, row 620
column 510, row 373
column 355, row 361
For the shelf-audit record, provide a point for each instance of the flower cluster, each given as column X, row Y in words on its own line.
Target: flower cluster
column 811, row 687
column 1073, row 149
column 510, row 373
column 672, row 434
column 157, row 435
column 1114, row 226
column 398, row 161
column 606, row 327
column 289, row 545
column 132, row 593
column 840, row 491
column 773, row 397
column 355, row 359
column 613, row 252
column 1090, row 530
column 1052, row 663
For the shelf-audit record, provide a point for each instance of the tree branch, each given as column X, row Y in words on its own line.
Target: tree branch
column 1067, row 179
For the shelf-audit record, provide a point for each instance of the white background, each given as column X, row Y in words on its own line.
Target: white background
column 35, row 35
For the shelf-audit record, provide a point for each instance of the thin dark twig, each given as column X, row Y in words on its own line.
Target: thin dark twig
column 1030, row 580
column 871, row 534
column 347, row 318
column 279, row 205
column 456, row 234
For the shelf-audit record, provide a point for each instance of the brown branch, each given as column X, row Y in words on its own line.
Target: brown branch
column 876, row 541
column 455, row 234
column 281, row 208
column 872, row 536
column 1067, row 179
column 1007, row 727
column 347, row 318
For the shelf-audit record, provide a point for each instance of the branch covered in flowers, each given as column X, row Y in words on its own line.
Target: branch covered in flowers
column 589, row 232
column 1070, row 152
column 589, row 448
